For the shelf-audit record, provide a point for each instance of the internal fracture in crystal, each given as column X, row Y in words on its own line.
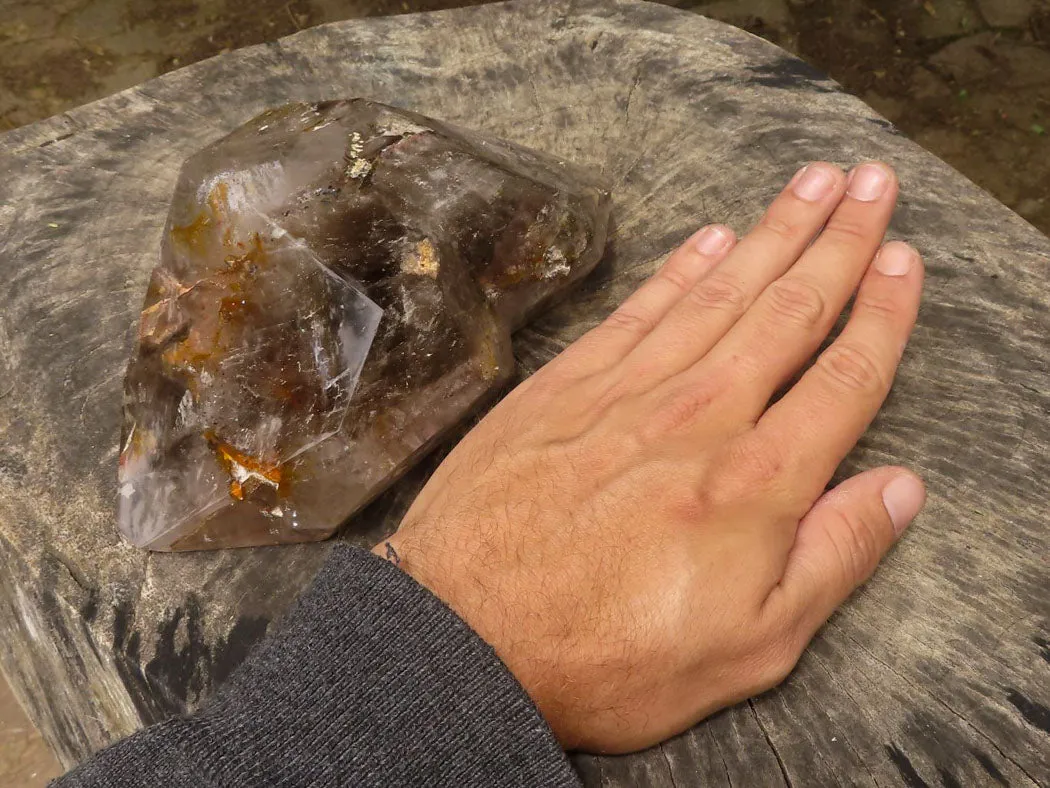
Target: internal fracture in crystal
column 337, row 290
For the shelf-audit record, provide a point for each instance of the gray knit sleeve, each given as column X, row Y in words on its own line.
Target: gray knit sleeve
column 370, row 681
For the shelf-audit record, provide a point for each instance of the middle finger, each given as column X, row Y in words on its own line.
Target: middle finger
column 711, row 307
column 794, row 314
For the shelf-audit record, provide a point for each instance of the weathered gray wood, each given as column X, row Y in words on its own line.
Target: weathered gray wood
column 937, row 673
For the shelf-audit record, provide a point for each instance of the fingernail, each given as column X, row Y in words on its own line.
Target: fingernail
column 903, row 498
column 712, row 240
column 813, row 183
column 868, row 182
column 895, row 259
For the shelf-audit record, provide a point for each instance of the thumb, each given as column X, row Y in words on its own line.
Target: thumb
column 842, row 539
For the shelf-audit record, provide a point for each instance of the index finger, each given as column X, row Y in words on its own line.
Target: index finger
column 823, row 415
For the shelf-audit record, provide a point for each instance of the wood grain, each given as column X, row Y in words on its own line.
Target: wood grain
column 936, row 673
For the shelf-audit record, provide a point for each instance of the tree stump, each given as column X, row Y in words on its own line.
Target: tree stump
column 936, row 673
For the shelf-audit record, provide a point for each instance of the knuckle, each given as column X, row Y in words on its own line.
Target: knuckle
column 608, row 392
column 676, row 279
column 781, row 227
column 629, row 321
column 675, row 413
column 847, row 230
column 880, row 306
column 851, row 368
column 719, row 292
column 759, row 464
column 797, row 302
column 857, row 543
column 749, row 471
column 686, row 505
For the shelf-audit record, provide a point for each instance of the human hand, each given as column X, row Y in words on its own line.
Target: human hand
column 641, row 536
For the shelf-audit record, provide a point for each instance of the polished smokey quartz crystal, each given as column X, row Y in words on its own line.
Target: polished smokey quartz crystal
column 337, row 289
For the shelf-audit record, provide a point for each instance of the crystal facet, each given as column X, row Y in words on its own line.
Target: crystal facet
column 337, row 290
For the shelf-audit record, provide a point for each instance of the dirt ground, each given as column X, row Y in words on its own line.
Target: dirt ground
column 967, row 79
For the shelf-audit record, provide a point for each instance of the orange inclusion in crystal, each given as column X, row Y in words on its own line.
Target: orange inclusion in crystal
column 192, row 235
column 227, row 456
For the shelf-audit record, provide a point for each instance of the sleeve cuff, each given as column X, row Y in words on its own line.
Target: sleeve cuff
column 373, row 680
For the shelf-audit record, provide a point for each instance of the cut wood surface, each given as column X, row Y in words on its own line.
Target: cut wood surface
column 936, row 673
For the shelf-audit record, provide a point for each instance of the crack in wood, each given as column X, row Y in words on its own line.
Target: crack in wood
column 942, row 702
column 845, row 739
column 722, row 758
column 769, row 741
column 630, row 95
column 74, row 573
column 670, row 770
column 140, row 588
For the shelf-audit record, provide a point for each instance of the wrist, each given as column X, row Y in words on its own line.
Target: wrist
column 410, row 561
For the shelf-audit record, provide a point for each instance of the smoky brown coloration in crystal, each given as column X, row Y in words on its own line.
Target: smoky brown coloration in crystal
column 337, row 290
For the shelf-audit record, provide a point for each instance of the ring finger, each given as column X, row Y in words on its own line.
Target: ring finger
column 711, row 307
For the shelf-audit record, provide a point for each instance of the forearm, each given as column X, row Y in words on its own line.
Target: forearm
column 371, row 681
